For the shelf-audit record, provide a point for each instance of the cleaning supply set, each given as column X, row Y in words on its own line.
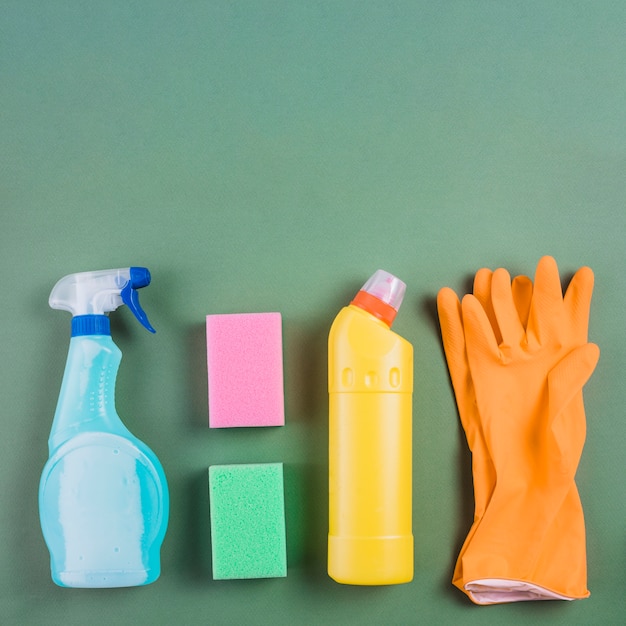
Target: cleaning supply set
column 103, row 497
column 518, row 357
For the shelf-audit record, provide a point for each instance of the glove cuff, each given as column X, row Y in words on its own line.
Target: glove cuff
column 502, row 590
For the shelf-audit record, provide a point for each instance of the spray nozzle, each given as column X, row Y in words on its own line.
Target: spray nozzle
column 99, row 292
column 139, row 277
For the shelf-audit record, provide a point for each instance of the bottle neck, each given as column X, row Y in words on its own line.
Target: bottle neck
column 375, row 306
column 87, row 399
column 90, row 325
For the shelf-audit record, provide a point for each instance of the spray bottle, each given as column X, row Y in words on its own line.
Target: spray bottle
column 370, row 369
column 103, row 497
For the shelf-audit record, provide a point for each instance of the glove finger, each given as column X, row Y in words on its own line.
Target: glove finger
column 522, row 288
column 480, row 339
column 452, row 335
column 482, row 291
column 578, row 301
column 506, row 311
column 546, row 310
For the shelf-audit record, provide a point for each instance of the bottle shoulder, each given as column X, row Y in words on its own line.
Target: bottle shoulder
column 363, row 332
column 365, row 355
column 117, row 447
column 92, row 344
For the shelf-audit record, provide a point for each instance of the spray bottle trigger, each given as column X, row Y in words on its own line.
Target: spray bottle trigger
column 139, row 277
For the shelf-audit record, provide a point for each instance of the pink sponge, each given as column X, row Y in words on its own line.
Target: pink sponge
column 245, row 366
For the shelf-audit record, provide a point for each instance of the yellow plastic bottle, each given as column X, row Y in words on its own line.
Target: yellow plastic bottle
column 370, row 383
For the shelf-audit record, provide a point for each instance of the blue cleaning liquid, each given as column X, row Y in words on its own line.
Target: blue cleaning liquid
column 103, row 496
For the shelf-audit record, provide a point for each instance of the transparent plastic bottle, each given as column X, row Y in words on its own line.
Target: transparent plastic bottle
column 103, row 496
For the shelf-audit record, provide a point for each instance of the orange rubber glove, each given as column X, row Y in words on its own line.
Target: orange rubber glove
column 518, row 389
column 454, row 343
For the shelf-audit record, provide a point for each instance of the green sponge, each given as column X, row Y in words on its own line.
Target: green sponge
column 247, row 521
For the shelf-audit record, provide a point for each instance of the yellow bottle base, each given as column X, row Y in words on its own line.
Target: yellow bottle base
column 370, row 560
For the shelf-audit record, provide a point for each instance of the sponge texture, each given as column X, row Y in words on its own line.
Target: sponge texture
column 247, row 521
column 245, row 369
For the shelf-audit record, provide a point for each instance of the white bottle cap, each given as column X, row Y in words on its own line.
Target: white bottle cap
column 386, row 287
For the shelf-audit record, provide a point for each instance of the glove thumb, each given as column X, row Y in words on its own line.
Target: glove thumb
column 566, row 410
column 569, row 376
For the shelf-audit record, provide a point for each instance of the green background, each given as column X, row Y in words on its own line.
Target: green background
column 269, row 156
